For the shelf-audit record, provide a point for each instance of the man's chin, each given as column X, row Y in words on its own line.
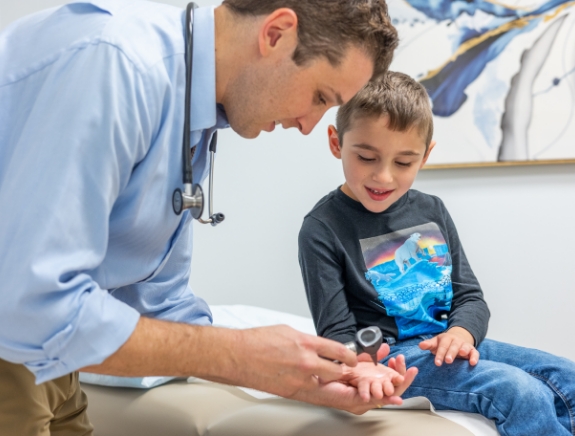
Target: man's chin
column 246, row 132
column 250, row 135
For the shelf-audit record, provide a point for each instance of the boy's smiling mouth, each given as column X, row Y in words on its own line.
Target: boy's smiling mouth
column 378, row 194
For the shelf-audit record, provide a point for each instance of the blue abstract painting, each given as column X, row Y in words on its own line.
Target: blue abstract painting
column 500, row 75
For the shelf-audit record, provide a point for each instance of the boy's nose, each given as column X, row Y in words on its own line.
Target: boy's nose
column 383, row 175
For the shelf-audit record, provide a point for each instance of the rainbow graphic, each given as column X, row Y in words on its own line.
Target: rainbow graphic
column 410, row 270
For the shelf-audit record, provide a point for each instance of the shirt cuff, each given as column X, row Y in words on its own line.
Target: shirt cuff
column 102, row 326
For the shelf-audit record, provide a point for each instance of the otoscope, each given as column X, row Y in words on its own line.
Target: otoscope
column 367, row 340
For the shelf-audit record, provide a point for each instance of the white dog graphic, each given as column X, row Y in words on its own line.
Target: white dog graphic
column 407, row 251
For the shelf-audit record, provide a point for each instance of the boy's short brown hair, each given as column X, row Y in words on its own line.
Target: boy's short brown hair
column 404, row 100
column 329, row 27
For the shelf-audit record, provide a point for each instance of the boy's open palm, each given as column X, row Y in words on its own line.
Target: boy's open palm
column 383, row 383
column 455, row 342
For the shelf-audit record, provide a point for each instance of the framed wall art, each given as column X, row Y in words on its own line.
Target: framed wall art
column 500, row 75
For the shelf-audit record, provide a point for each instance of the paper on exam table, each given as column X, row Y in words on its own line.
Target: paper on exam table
column 238, row 316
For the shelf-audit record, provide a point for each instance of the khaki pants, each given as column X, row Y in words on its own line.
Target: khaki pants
column 54, row 408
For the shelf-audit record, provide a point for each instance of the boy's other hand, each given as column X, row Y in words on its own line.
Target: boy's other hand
column 455, row 342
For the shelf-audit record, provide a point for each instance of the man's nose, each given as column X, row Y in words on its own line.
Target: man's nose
column 308, row 122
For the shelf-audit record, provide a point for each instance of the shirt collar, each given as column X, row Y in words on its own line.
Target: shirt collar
column 110, row 6
column 204, row 113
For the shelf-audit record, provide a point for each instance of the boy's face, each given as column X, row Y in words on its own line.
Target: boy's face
column 379, row 164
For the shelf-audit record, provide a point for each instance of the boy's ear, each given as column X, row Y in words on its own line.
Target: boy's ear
column 334, row 146
column 278, row 33
column 431, row 145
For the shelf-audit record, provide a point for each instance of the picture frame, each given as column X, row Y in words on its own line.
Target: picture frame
column 500, row 75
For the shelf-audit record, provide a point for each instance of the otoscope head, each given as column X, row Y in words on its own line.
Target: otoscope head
column 368, row 340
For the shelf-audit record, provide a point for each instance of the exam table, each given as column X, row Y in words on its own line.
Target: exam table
column 196, row 407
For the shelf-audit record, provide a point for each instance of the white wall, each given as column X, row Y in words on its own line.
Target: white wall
column 516, row 225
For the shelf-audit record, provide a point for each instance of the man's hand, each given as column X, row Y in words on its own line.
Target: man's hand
column 284, row 361
column 455, row 342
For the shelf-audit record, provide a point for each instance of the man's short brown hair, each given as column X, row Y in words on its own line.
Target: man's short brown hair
column 329, row 27
column 402, row 99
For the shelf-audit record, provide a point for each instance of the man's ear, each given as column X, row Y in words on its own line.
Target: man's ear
column 278, row 32
column 333, row 139
column 431, row 145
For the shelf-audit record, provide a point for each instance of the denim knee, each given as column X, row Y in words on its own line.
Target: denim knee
column 514, row 390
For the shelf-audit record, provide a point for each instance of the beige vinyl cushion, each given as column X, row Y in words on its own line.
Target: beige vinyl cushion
column 183, row 409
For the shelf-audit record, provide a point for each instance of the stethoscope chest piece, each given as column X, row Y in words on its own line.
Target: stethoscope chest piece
column 192, row 199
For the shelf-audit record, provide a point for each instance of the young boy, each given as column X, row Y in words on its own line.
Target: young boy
column 375, row 252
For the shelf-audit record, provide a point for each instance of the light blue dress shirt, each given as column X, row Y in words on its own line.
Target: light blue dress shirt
column 91, row 121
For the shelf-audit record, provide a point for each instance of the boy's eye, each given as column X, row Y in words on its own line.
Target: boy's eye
column 364, row 159
column 321, row 99
column 403, row 164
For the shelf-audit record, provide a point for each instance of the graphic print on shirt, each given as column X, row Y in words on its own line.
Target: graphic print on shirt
column 410, row 270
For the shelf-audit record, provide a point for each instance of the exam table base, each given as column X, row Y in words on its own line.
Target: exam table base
column 184, row 409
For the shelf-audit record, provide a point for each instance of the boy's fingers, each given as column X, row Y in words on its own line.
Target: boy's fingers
column 442, row 349
column 428, row 344
column 473, row 357
column 376, row 389
column 388, row 388
column 383, row 352
column 391, row 363
column 454, row 350
column 465, row 351
column 397, row 380
column 363, row 390
column 400, row 364
column 409, row 377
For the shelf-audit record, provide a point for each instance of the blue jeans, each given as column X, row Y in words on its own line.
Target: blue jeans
column 526, row 392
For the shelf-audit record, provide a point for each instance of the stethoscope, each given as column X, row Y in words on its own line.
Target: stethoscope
column 193, row 196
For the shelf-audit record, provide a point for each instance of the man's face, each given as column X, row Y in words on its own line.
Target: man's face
column 281, row 92
column 379, row 164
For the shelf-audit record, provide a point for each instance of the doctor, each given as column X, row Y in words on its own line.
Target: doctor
column 94, row 263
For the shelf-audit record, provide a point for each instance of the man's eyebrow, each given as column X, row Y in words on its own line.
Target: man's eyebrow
column 337, row 96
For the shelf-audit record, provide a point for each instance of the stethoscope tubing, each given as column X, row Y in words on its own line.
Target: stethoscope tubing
column 192, row 197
